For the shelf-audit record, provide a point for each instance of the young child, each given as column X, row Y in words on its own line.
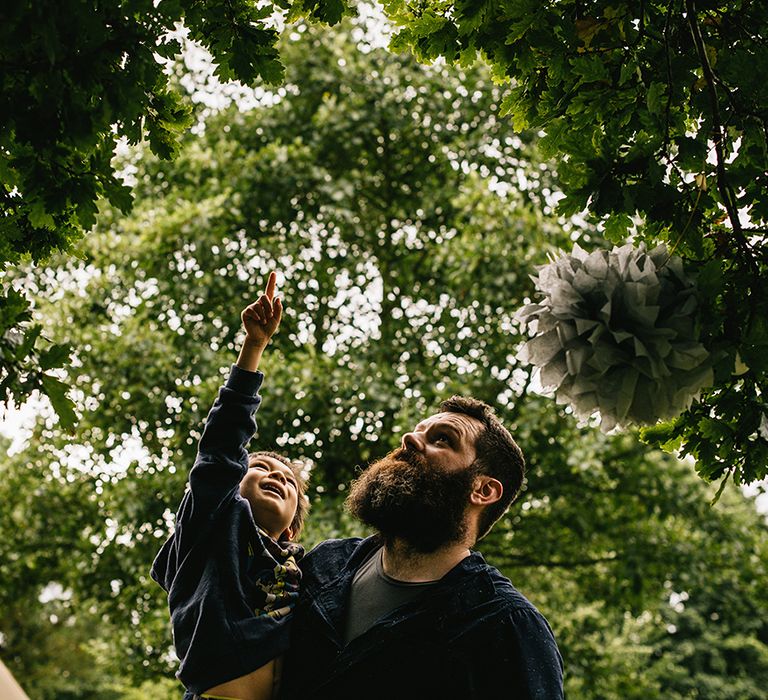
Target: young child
column 230, row 565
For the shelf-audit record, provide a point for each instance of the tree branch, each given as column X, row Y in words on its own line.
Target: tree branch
column 668, row 61
column 522, row 560
column 717, row 122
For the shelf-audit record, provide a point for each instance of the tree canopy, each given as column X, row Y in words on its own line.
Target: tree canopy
column 655, row 111
column 76, row 79
column 405, row 218
column 658, row 114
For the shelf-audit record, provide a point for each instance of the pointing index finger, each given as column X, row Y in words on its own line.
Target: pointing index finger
column 271, row 284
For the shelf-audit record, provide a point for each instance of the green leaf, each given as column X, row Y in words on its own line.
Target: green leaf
column 326, row 11
column 55, row 356
column 329, row 11
column 616, row 227
column 590, row 69
column 713, row 429
column 14, row 309
column 654, row 100
column 692, row 153
column 86, row 213
column 31, row 334
column 39, row 217
column 272, row 71
column 56, row 390
column 664, row 435
column 474, row 16
column 720, row 489
column 754, row 350
column 120, row 196
column 552, row 142
column 516, row 105
column 710, row 280
column 629, row 70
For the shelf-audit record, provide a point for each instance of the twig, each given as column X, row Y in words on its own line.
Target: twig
column 722, row 184
column 685, row 228
column 669, row 76
column 522, row 561
column 721, row 487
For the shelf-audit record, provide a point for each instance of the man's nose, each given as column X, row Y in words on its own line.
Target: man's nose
column 279, row 475
column 412, row 441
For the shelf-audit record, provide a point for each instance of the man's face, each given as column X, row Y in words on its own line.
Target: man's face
column 419, row 493
column 445, row 439
column 271, row 489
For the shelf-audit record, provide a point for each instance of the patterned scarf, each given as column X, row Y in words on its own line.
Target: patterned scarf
column 277, row 575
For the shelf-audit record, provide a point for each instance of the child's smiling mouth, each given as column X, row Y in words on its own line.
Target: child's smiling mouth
column 272, row 487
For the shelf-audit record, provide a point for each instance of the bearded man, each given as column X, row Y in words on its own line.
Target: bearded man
column 411, row 612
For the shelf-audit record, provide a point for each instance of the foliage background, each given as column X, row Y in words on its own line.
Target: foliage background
column 405, row 216
column 660, row 126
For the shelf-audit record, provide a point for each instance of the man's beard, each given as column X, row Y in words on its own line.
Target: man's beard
column 404, row 497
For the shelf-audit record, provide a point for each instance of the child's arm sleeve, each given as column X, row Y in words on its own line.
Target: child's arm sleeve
column 221, row 463
column 222, row 459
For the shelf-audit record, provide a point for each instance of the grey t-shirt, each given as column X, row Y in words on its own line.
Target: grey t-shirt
column 374, row 595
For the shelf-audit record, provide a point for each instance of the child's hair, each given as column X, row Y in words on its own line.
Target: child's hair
column 297, row 467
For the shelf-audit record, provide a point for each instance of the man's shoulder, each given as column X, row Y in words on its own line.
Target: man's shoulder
column 507, row 593
column 501, row 606
column 343, row 547
column 500, row 591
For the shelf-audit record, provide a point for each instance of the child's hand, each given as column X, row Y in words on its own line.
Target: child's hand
column 262, row 318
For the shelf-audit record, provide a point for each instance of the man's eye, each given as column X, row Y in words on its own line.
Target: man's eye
column 442, row 438
column 259, row 466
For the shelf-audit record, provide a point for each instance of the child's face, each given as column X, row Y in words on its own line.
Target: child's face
column 271, row 489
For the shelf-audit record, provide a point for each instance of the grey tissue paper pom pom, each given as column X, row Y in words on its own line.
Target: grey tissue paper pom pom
column 616, row 332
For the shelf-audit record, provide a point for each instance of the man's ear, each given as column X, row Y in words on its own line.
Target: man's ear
column 287, row 534
column 486, row 490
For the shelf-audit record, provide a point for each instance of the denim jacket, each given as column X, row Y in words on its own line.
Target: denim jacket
column 472, row 635
column 218, row 566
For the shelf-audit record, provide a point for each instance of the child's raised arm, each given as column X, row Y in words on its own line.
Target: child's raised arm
column 222, row 459
column 228, row 427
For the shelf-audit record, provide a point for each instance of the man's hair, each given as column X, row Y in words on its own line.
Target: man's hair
column 298, row 468
column 498, row 456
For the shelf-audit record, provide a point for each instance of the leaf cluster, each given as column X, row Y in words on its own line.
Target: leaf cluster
column 26, row 359
column 75, row 79
column 659, row 116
